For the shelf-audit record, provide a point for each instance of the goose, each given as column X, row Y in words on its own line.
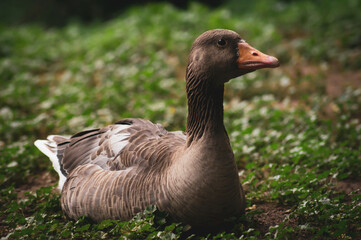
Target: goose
column 117, row 171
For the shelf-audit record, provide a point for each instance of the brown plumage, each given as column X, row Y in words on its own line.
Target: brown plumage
column 119, row 170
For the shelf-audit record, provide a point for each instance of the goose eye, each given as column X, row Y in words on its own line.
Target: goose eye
column 221, row 42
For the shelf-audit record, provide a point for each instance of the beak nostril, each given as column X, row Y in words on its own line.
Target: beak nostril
column 254, row 54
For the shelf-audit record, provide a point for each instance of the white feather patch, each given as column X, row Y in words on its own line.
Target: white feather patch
column 49, row 148
column 119, row 140
column 116, row 141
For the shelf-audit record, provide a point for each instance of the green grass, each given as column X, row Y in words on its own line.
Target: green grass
column 294, row 141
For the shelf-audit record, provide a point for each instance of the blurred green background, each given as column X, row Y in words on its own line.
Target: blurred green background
column 66, row 66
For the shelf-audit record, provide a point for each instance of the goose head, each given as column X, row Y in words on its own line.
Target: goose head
column 221, row 55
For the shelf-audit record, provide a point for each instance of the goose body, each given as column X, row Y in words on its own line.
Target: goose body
column 117, row 171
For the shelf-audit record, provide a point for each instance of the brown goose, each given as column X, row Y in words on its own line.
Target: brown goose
column 116, row 171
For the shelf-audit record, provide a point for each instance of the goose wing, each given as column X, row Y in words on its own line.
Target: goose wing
column 127, row 143
column 116, row 147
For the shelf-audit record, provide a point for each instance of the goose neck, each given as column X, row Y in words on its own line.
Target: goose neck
column 205, row 107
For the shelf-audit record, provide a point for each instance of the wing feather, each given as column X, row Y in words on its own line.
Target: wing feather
column 116, row 147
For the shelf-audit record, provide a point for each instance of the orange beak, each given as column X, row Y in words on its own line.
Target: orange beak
column 252, row 59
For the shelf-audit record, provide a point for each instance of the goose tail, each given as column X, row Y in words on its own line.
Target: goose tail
column 51, row 149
